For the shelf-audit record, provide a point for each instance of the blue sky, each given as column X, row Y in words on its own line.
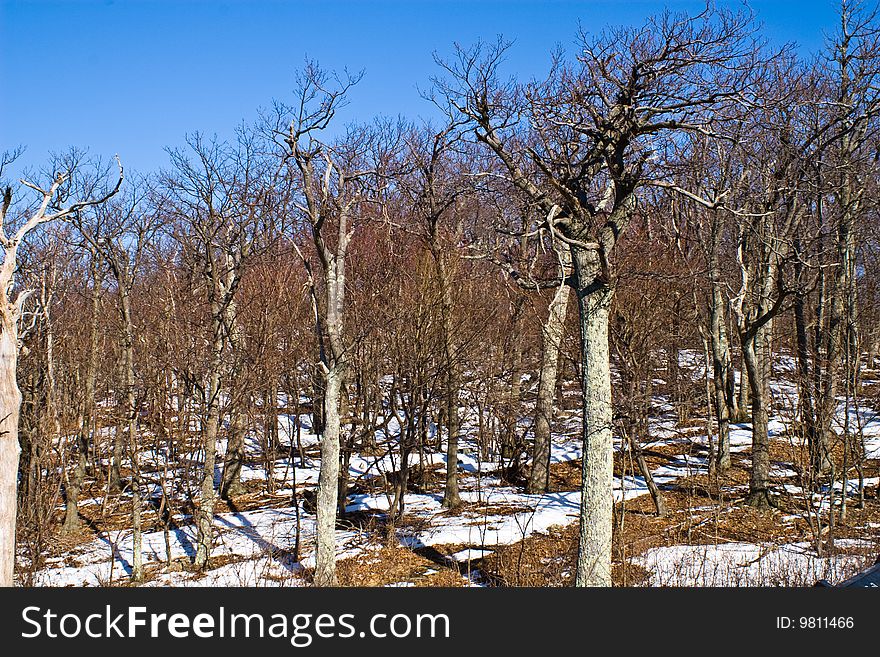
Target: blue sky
column 132, row 77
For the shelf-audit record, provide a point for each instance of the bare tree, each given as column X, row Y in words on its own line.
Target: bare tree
column 853, row 71
column 433, row 186
column 121, row 231
column 594, row 128
column 52, row 203
column 330, row 179
column 219, row 200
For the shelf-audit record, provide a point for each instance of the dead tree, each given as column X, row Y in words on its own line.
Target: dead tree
column 52, row 203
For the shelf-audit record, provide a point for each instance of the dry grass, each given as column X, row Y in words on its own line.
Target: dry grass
column 395, row 565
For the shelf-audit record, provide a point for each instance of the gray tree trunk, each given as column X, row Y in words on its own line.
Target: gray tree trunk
column 551, row 339
column 115, row 476
column 721, row 365
column 759, row 479
column 230, row 482
column 451, row 497
column 137, row 561
column 755, row 337
column 841, row 333
column 653, row 489
column 596, row 516
column 744, row 392
column 115, row 482
column 328, row 484
column 673, row 367
column 806, row 367
column 205, row 518
column 328, row 476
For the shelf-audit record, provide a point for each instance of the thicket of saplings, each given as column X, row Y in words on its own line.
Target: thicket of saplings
column 680, row 192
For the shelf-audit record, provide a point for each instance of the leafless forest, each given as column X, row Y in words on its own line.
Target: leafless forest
column 618, row 324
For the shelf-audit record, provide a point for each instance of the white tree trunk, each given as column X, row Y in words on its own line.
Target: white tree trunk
column 328, row 484
column 10, row 404
column 596, row 517
column 328, row 476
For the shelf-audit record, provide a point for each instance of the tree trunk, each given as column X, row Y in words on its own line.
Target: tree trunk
column 596, row 516
column 451, row 497
column 721, row 367
column 673, row 367
column 328, row 476
column 551, row 339
column 230, row 482
column 759, row 478
column 653, row 489
column 826, row 405
column 10, row 404
column 328, row 484
column 115, row 482
column 71, row 515
column 744, row 390
column 806, row 407
column 115, row 477
column 511, row 443
column 137, row 561
column 205, row 522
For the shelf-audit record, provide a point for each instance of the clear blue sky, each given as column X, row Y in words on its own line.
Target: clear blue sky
column 133, row 76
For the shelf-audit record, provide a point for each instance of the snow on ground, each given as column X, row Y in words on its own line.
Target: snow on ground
column 748, row 564
column 468, row 554
column 261, row 540
column 257, row 545
column 261, row 571
column 568, row 451
column 264, row 536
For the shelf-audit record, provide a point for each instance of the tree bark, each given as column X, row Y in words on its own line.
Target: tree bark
column 551, row 339
column 10, row 404
column 759, row 478
column 673, row 366
column 451, row 497
column 137, row 561
column 653, row 489
column 230, row 482
column 806, row 406
column 328, row 484
column 721, row 365
column 205, row 521
column 596, row 516
column 334, row 373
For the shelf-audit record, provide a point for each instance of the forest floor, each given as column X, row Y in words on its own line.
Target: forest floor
column 500, row 535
